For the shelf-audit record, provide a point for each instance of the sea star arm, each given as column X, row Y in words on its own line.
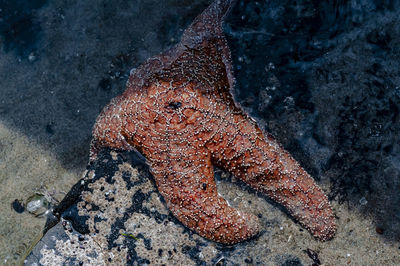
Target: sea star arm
column 241, row 147
column 259, row 161
column 108, row 130
column 187, row 184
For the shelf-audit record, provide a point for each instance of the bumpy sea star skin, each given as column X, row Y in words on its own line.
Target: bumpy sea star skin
column 178, row 111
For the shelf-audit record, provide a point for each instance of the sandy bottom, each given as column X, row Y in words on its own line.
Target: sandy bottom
column 25, row 169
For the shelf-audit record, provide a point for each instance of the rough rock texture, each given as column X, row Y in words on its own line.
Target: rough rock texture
column 115, row 215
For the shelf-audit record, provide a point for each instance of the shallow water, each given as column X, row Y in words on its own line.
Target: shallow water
column 323, row 77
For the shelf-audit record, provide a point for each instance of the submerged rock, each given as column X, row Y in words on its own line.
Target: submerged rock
column 37, row 205
column 114, row 215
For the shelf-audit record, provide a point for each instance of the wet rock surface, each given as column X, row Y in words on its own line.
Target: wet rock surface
column 114, row 215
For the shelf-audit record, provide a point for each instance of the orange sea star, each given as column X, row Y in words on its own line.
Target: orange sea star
column 178, row 111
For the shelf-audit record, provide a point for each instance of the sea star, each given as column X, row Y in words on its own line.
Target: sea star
column 178, row 111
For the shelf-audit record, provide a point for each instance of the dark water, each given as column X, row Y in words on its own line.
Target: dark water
column 18, row 27
column 333, row 74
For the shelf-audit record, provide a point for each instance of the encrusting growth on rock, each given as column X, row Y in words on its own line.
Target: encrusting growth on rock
column 178, row 111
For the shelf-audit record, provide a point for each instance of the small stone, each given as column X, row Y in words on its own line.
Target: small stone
column 363, row 201
column 37, row 204
column 379, row 230
column 18, row 206
column 248, row 260
column 32, row 57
